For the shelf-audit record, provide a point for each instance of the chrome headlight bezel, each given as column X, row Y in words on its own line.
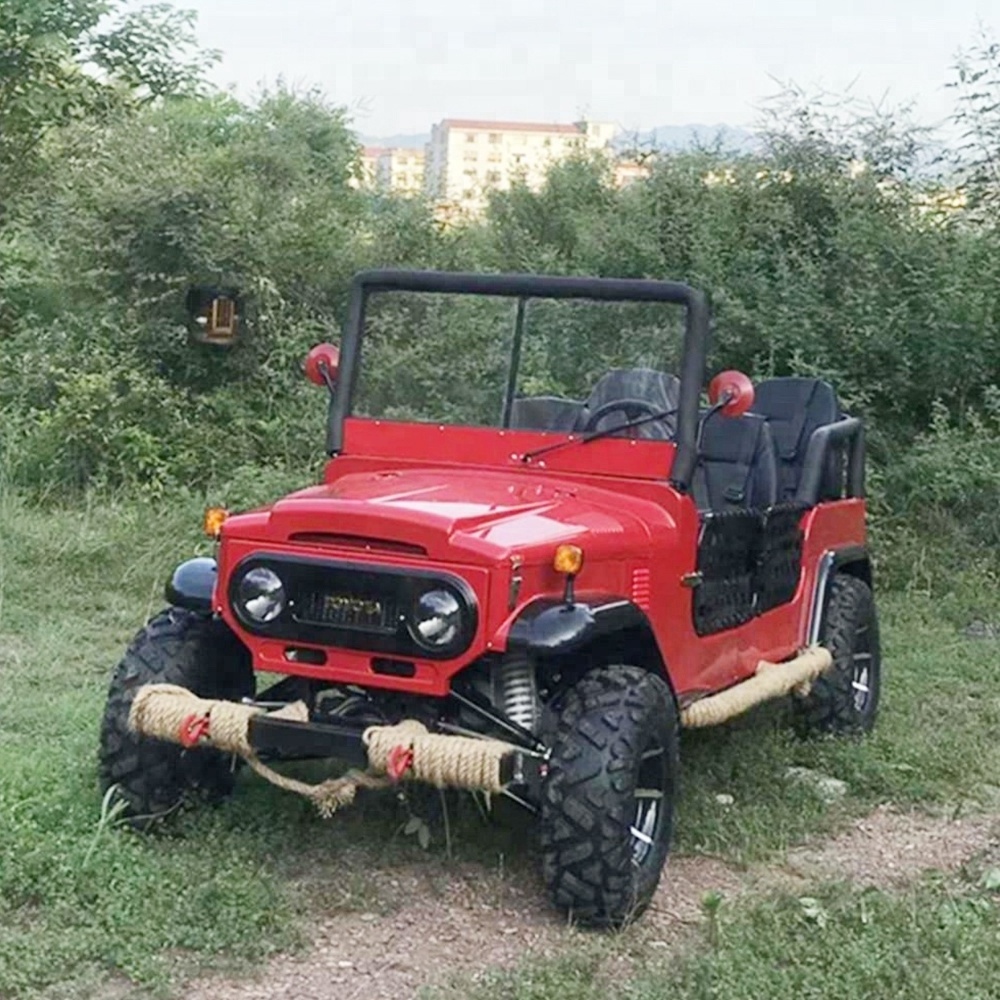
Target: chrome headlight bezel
column 262, row 584
column 437, row 601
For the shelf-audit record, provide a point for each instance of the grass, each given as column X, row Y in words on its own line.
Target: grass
column 84, row 904
column 81, row 900
column 938, row 940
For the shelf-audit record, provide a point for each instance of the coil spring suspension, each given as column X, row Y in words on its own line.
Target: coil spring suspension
column 518, row 694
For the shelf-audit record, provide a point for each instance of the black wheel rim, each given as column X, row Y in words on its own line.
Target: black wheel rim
column 651, row 788
column 862, row 669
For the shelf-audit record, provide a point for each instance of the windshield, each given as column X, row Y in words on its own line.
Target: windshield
column 493, row 361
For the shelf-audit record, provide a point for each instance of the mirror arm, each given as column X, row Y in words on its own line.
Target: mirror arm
column 711, row 411
column 324, row 370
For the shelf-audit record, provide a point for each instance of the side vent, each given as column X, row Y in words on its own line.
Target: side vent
column 640, row 588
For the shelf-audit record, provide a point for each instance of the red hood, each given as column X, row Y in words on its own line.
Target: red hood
column 478, row 516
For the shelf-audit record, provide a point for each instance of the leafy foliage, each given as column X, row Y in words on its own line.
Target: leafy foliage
column 830, row 251
column 978, row 116
column 68, row 60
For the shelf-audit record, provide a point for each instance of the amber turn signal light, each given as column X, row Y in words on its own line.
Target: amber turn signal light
column 214, row 518
column 568, row 560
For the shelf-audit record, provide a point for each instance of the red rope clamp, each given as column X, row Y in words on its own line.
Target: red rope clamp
column 193, row 729
column 400, row 761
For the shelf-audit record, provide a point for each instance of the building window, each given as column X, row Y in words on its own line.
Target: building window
column 495, row 137
column 470, row 136
column 493, row 176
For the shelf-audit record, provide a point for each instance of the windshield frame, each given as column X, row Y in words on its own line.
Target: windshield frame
column 532, row 286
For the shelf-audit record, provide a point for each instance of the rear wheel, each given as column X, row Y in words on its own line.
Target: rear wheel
column 154, row 777
column 608, row 801
column 846, row 699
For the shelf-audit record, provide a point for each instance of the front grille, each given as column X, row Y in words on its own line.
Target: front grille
column 367, row 612
column 353, row 606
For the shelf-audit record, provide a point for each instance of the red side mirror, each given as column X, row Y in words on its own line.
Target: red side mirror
column 733, row 390
column 322, row 363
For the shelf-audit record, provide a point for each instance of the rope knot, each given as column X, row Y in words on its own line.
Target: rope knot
column 193, row 729
column 399, row 762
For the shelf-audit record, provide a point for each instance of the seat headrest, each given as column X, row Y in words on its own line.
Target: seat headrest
column 795, row 407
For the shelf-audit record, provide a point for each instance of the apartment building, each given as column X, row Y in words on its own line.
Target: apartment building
column 368, row 173
column 400, row 171
column 466, row 158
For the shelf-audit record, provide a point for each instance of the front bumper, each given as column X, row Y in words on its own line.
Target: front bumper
column 406, row 750
column 274, row 736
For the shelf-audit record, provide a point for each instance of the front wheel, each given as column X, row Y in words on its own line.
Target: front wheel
column 608, row 800
column 154, row 777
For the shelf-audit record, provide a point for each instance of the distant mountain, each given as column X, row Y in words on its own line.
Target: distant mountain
column 675, row 138
column 667, row 137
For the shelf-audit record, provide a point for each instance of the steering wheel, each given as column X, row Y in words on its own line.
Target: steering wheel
column 631, row 408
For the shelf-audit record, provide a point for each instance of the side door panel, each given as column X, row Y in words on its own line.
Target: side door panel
column 749, row 562
column 727, row 549
column 779, row 557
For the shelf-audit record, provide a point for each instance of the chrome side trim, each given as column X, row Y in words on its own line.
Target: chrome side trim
column 826, row 564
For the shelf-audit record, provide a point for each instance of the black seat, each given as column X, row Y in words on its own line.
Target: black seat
column 794, row 408
column 659, row 389
column 736, row 466
column 546, row 413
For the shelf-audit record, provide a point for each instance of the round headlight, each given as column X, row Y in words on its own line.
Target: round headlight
column 437, row 618
column 261, row 595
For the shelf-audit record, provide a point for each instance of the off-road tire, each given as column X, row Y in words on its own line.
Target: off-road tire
column 850, row 632
column 154, row 777
column 607, row 722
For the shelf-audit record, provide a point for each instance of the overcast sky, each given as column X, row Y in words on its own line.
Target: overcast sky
column 400, row 65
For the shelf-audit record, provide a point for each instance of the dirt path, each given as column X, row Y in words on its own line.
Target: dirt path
column 465, row 923
column 888, row 848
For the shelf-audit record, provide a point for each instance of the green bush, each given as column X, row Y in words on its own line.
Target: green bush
column 824, row 253
column 937, row 514
column 99, row 382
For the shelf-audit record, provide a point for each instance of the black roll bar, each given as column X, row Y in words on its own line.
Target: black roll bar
column 824, row 439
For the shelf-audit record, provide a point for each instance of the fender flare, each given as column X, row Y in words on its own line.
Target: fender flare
column 192, row 585
column 852, row 559
column 548, row 626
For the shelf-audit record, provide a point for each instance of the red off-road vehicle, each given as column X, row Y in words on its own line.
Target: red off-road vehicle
column 574, row 580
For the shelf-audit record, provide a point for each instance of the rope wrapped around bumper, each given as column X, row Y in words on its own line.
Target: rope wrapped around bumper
column 172, row 713
column 772, row 680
